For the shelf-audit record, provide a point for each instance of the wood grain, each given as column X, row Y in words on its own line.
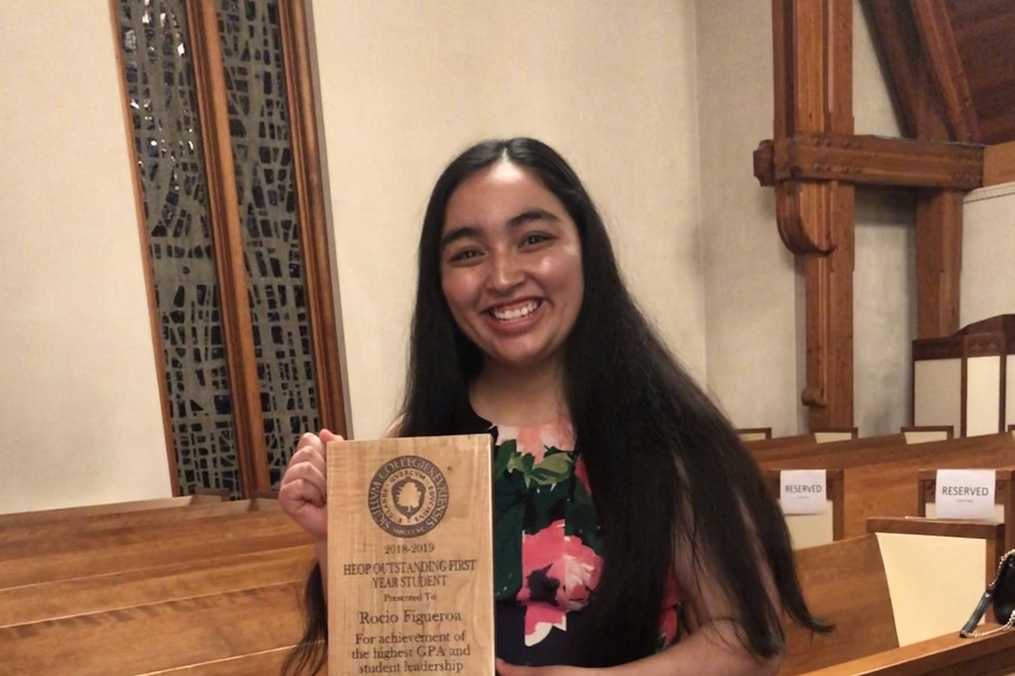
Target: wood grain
column 172, row 581
column 19, row 519
column 437, row 584
column 143, row 519
column 264, row 663
column 844, row 583
column 164, row 635
column 132, row 551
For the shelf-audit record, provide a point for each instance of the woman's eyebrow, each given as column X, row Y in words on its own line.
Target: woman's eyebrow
column 461, row 232
column 532, row 215
column 467, row 231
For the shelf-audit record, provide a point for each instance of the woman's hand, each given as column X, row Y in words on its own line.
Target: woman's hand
column 303, row 493
column 505, row 669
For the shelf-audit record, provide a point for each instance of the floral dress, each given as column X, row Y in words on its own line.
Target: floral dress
column 547, row 545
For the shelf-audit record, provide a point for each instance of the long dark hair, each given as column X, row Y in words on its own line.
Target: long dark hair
column 665, row 466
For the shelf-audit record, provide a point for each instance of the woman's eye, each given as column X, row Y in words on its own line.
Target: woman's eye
column 464, row 255
column 535, row 238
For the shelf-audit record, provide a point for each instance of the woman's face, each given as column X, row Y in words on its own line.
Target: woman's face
column 511, row 266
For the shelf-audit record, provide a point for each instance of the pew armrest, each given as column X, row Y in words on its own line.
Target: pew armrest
column 942, row 656
column 941, row 527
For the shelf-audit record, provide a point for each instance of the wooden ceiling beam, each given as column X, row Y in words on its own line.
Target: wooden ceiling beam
column 870, row 160
column 900, row 50
column 941, row 53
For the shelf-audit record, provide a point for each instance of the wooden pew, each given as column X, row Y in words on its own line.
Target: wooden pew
column 40, row 561
column 808, row 530
column 1004, row 495
column 845, row 583
column 882, row 480
column 771, row 445
column 18, row 519
column 804, row 446
column 147, row 639
column 264, row 663
column 97, row 524
column 174, row 580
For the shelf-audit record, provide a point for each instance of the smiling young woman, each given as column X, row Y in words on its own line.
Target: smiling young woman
column 648, row 543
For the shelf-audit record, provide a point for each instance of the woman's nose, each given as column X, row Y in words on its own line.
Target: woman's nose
column 506, row 272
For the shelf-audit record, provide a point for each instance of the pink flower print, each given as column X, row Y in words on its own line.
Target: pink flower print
column 559, row 571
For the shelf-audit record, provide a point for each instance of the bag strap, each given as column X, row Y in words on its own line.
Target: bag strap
column 968, row 631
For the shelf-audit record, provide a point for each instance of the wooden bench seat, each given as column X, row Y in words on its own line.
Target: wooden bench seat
column 113, row 591
column 144, row 519
column 845, row 583
column 17, row 519
column 74, row 540
column 132, row 550
column 149, row 638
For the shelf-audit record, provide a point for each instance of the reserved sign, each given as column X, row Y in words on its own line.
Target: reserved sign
column 803, row 491
column 965, row 494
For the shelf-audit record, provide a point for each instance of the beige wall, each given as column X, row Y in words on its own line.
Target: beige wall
column 754, row 312
column 405, row 86
column 80, row 420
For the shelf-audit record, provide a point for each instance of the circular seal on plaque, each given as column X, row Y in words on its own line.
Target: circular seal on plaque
column 408, row 496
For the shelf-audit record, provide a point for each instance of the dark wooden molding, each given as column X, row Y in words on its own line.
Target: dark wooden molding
column 223, row 207
column 870, row 160
column 312, row 213
column 941, row 53
column 158, row 349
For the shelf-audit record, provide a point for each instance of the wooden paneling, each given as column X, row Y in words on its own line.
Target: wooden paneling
column 985, row 35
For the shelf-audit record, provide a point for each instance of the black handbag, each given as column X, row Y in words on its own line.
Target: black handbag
column 1001, row 594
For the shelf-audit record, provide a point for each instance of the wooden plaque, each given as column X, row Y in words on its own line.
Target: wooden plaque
column 410, row 556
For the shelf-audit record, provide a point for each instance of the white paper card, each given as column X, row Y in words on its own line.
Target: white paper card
column 965, row 494
column 803, row 491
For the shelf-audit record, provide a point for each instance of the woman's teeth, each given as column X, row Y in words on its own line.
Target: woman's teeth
column 515, row 313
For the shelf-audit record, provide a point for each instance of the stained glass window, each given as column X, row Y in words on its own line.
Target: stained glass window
column 161, row 87
column 167, row 137
column 259, row 129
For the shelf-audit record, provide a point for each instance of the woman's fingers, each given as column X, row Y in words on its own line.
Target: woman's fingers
column 311, row 480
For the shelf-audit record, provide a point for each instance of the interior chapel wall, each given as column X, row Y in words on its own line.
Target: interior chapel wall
column 80, row 418
column 754, row 289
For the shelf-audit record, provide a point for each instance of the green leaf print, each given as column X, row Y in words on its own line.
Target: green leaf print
column 554, row 469
column 521, row 463
column 505, row 452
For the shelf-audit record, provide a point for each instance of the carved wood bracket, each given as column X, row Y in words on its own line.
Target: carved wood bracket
column 870, row 160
